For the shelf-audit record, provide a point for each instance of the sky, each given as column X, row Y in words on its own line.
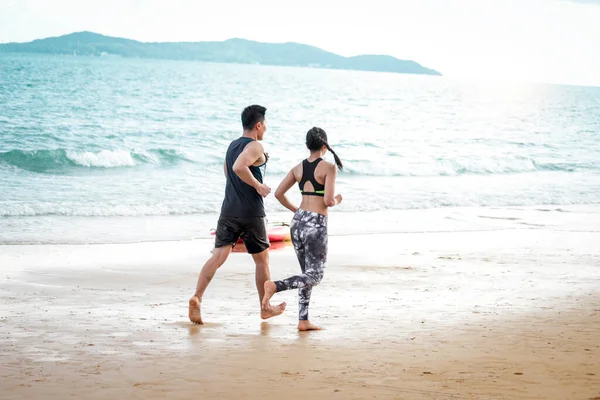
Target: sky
column 555, row 41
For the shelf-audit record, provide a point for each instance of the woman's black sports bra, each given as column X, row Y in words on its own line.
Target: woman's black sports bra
column 308, row 175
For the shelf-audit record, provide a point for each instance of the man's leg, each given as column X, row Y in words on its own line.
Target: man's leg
column 218, row 258
column 261, row 260
column 263, row 275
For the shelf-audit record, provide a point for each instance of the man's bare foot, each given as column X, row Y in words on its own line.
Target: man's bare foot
column 270, row 290
column 195, row 316
column 307, row 326
column 273, row 311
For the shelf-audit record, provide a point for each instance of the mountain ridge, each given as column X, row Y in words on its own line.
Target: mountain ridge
column 233, row 50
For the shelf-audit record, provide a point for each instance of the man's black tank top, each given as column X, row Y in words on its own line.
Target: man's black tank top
column 241, row 199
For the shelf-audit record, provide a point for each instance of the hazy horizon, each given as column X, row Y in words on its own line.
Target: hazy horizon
column 551, row 41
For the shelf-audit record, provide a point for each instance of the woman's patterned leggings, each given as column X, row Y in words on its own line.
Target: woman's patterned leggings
column 309, row 237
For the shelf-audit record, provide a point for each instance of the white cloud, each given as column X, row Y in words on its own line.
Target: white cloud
column 593, row 2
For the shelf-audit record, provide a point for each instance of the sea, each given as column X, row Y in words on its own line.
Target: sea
column 112, row 150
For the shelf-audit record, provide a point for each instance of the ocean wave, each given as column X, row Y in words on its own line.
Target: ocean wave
column 76, row 209
column 102, row 159
column 59, row 159
column 391, row 164
column 158, row 209
column 462, row 166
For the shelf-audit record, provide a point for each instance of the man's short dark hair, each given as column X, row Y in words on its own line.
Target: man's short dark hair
column 252, row 115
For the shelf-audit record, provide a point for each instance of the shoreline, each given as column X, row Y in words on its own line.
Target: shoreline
column 80, row 230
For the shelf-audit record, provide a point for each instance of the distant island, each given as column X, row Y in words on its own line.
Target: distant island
column 238, row 51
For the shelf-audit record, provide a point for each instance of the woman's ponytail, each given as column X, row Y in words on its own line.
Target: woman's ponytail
column 335, row 156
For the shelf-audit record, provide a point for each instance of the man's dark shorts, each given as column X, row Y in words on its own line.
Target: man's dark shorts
column 252, row 230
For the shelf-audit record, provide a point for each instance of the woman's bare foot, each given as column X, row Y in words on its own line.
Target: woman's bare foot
column 273, row 311
column 307, row 326
column 270, row 290
column 194, row 312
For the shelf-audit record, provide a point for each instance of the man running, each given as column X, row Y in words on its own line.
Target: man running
column 242, row 211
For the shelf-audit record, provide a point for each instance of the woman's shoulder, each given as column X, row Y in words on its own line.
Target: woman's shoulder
column 297, row 169
column 327, row 164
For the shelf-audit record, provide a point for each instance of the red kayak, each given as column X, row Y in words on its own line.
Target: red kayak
column 276, row 233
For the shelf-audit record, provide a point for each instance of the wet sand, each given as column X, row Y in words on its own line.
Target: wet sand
column 496, row 314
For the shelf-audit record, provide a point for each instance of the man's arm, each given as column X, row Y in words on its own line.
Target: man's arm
column 241, row 167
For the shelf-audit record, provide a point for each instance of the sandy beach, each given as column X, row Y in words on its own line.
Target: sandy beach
column 506, row 313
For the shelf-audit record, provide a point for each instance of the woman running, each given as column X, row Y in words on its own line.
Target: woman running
column 316, row 180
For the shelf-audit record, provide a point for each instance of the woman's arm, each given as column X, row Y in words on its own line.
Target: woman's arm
column 330, row 198
column 282, row 189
